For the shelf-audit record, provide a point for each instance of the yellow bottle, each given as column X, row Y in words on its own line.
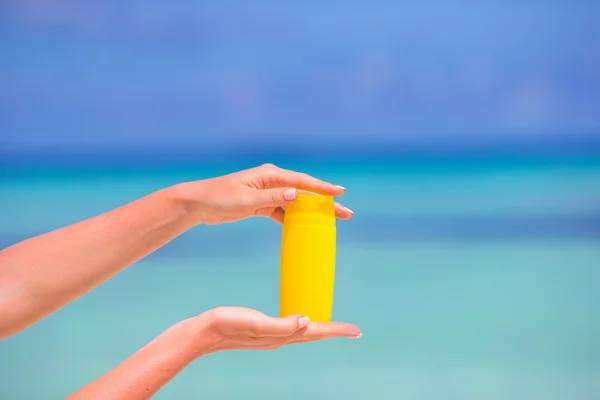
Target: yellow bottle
column 308, row 258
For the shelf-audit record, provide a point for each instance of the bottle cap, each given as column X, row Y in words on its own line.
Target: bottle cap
column 311, row 209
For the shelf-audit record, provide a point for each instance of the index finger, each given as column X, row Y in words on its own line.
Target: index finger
column 325, row 330
column 279, row 177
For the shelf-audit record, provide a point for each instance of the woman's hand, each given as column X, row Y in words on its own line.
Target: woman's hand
column 238, row 328
column 223, row 328
column 261, row 191
column 42, row 274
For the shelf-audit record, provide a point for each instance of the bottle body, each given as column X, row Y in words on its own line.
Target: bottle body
column 308, row 253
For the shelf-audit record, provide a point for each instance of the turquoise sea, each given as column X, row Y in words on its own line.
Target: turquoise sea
column 469, row 280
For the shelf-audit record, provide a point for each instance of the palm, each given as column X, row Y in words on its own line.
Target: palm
column 242, row 328
column 234, row 321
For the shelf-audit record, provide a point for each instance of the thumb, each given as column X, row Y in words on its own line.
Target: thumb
column 274, row 197
column 282, row 326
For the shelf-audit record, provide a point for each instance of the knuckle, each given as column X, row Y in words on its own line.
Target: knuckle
column 308, row 180
column 217, row 313
column 254, row 327
column 267, row 173
column 268, row 166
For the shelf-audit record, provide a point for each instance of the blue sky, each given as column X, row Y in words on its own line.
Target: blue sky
column 203, row 75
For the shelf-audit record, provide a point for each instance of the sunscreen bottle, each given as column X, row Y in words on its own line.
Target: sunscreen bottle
column 308, row 257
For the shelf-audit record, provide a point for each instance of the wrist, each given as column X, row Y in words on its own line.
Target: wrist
column 187, row 196
column 199, row 336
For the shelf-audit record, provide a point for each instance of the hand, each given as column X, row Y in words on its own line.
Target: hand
column 223, row 328
column 261, row 191
column 238, row 328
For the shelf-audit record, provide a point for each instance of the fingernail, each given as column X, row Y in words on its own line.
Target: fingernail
column 349, row 210
column 302, row 322
column 341, row 187
column 289, row 194
column 358, row 336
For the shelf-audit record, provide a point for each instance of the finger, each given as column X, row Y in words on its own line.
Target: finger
column 272, row 343
column 273, row 197
column 308, row 340
column 273, row 327
column 278, row 215
column 325, row 330
column 343, row 212
column 278, row 177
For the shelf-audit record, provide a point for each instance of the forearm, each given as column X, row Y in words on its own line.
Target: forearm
column 152, row 367
column 42, row 274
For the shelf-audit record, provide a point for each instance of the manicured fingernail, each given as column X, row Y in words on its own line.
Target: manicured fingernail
column 302, row 322
column 289, row 194
column 349, row 210
column 358, row 336
column 341, row 187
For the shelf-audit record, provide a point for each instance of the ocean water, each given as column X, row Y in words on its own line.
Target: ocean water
column 468, row 282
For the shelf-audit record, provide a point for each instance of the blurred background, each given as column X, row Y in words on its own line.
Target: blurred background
column 467, row 134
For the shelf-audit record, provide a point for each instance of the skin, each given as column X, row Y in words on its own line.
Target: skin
column 223, row 328
column 40, row 275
